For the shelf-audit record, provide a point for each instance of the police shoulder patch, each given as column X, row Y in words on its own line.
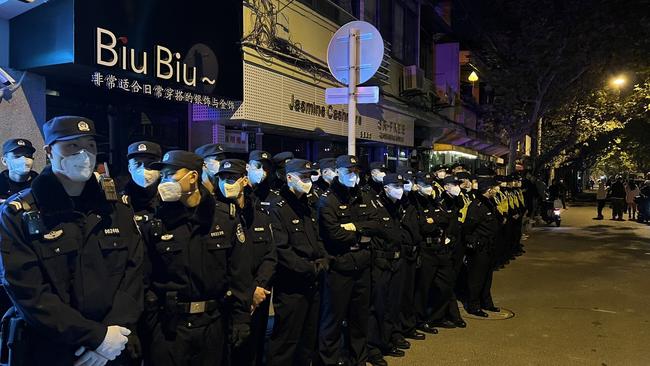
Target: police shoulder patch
column 15, row 206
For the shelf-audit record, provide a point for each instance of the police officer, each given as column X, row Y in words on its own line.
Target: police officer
column 279, row 162
column 71, row 258
column 260, row 170
column 212, row 154
column 256, row 222
column 302, row 264
column 142, row 188
column 347, row 222
column 327, row 175
column 386, row 294
column 18, row 157
column 518, row 199
column 480, row 231
column 375, row 184
column 199, row 279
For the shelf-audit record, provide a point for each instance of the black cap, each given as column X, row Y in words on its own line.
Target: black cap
column 180, row 159
column 281, row 159
column 393, row 178
column 259, row 155
column 15, row 144
column 439, row 167
column 300, row 166
column 378, row 165
column 501, row 178
column 450, row 180
column 484, row 172
column 424, row 177
column 208, row 150
column 406, row 172
column 327, row 163
column 463, row 175
column 315, row 165
column 235, row 166
column 347, row 161
column 144, row 148
column 456, row 165
column 485, row 183
column 67, row 128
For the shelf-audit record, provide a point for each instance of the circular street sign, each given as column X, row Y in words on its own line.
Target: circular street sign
column 370, row 54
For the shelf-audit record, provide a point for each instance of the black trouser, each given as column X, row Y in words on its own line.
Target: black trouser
column 601, row 205
column 199, row 340
column 346, row 297
column 295, row 326
column 435, row 285
column 383, row 323
column 618, row 205
column 453, row 313
column 251, row 352
column 407, row 319
column 479, row 278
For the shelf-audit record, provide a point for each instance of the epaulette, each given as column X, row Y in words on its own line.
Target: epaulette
column 15, row 206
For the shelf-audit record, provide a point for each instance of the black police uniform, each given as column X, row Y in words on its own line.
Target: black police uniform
column 256, row 221
column 72, row 266
column 321, row 185
column 409, row 255
column 279, row 162
column 143, row 200
column 8, row 187
column 387, row 275
column 207, row 150
column 480, row 231
column 296, row 290
column 346, row 291
column 199, row 278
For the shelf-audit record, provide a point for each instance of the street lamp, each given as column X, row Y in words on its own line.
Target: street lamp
column 618, row 81
column 473, row 77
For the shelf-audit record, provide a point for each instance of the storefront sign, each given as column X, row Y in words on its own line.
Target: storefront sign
column 314, row 109
column 236, row 141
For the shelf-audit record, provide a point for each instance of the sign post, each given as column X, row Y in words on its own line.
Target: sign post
column 354, row 55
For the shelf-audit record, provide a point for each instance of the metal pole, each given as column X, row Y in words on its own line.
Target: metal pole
column 353, row 74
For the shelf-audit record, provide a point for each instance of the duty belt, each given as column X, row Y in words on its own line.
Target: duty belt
column 387, row 255
column 197, row 307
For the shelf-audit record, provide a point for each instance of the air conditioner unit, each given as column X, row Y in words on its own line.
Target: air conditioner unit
column 413, row 79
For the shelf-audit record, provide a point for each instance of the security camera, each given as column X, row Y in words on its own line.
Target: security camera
column 6, row 79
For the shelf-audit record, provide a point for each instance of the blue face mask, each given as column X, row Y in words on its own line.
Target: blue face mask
column 349, row 179
column 256, row 176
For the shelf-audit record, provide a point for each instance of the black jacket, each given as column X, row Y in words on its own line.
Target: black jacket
column 257, row 222
column 199, row 254
column 143, row 200
column 296, row 238
column 393, row 218
column 342, row 205
column 78, row 270
column 482, row 224
column 8, row 187
column 432, row 220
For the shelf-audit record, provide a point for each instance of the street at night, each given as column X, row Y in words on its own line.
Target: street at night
column 580, row 297
column 324, row 182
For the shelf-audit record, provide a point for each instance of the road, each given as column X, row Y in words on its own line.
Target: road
column 581, row 296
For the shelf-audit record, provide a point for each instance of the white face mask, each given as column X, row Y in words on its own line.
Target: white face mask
column 170, row 190
column 228, row 190
column 212, row 166
column 21, row 165
column 377, row 175
column 467, row 189
column 328, row 175
column 77, row 167
column 144, row 177
column 256, row 176
column 298, row 185
column 454, row 190
column 408, row 187
column 394, row 193
column 441, row 175
column 314, row 178
column 349, row 179
column 475, row 186
column 426, row 190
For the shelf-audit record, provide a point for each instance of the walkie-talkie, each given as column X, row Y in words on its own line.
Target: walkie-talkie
column 108, row 185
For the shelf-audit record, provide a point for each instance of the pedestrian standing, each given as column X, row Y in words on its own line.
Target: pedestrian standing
column 631, row 192
column 601, row 198
column 617, row 194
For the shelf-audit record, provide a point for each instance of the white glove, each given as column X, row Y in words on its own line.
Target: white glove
column 114, row 342
column 89, row 358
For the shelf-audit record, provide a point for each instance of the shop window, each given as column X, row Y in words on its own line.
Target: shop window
column 398, row 31
column 404, row 33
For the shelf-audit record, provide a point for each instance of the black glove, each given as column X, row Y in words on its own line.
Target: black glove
column 240, row 333
column 322, row 265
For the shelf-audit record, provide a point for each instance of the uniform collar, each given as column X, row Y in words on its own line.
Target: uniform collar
column 174, row 214
column 53, row 200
